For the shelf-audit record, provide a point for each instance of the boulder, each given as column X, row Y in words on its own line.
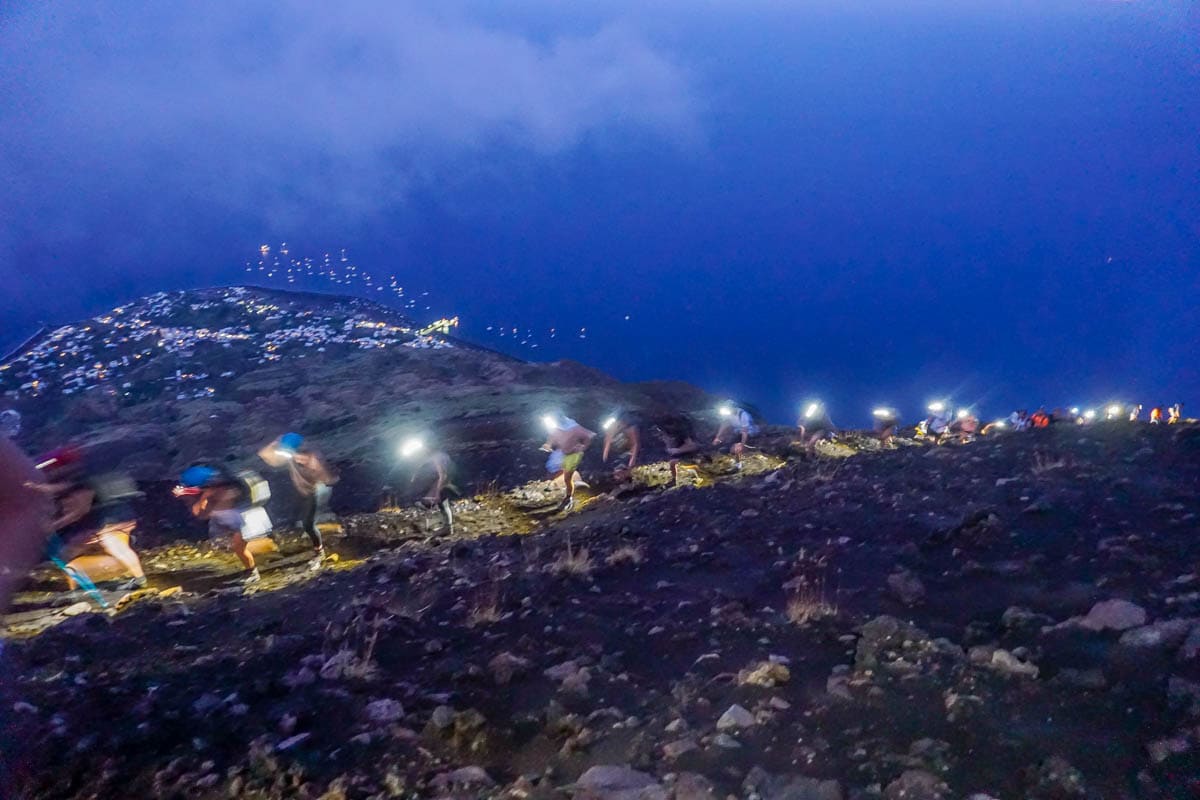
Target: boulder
column 608, row 782
column 916, row 784
column 1165, row 635
column 1115, row 615
column 735, row 717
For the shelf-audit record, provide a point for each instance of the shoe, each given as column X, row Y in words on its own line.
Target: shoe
column 317, row 561
column 567, row 505
column 131, row 584
column 252, row 578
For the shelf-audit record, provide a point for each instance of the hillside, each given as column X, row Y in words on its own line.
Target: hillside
column 1014, row 618
column 155, row 384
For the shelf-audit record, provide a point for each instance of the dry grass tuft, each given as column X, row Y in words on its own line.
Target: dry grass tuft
column 484, row 613
column 572, row 562
column 1043, row 464
column 626, row 554
column 805, row 607
column 807, row 596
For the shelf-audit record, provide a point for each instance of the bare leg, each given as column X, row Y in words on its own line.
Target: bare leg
column 239, row 549
column 117, row 547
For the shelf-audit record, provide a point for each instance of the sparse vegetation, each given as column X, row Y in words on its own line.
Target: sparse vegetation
column 808, row 605
column 808, row 598
column 626, row 554
column 351, row 649
column 486, row 608
column 572, row 562
column 1043, row 464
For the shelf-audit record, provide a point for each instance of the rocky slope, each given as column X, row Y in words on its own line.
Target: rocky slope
column 160, row 382
column 1013, row 618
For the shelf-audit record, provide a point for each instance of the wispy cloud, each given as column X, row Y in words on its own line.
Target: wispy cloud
column 297, row 108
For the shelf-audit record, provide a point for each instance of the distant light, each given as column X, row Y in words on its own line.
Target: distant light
column 1000, row 424
column 963, row 413
column 411, row 447
column 1075, row 411
column 608, row 423
column 1114, row 410
column 937, row 406
column 1089, row 414
column 884, row 413
column 812, row 410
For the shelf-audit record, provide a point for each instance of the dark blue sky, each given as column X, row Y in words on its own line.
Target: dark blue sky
column 865, row 202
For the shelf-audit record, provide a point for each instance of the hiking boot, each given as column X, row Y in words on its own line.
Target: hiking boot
column 317, row 561
column 132, row 583
column 252, row 577
column 567, row 505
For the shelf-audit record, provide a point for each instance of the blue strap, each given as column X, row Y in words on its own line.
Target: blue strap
column 54, row 548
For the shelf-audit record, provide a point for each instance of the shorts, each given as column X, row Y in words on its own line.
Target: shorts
column 125, row 528
column 225, row 523
column 571, row 463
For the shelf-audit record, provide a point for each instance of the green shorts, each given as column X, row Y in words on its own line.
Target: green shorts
column 571, row 462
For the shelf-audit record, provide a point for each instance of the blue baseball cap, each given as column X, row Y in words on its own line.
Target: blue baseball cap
column 196, row 476
column 291, row 441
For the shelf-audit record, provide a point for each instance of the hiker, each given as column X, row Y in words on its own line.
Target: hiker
column 1175, row 414
column 1040, row 419
column 814, row 425
column 93, row 510
column 431, row 477
column 25, row 512
column 566, row 441
column 936, row 424
column 232, row 505
column 886, row 422
column 1019, row 420
column 679, row 438
column 624, row 425
column 1135, row 412
column 313, row 481
column 738, row 421
column 965, row 425
column 1156, row 415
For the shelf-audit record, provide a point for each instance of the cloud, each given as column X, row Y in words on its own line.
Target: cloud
column 290, row 108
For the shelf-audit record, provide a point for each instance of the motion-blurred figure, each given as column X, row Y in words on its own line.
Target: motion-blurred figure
column 431, row 476
column 1135, row 412
column 566, row 441
column 628, row 427
column 964, row 426
column 1019, row 420
column 679, row 438
column 1175, row 414
column 886, row 422
column 814, row 425
column 1156, row 415
column 313, row 481
column 232, row 505
column 94, row 509
column 25, row 511
column 739, row 422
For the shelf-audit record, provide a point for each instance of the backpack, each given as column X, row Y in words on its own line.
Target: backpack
column 254, row 487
